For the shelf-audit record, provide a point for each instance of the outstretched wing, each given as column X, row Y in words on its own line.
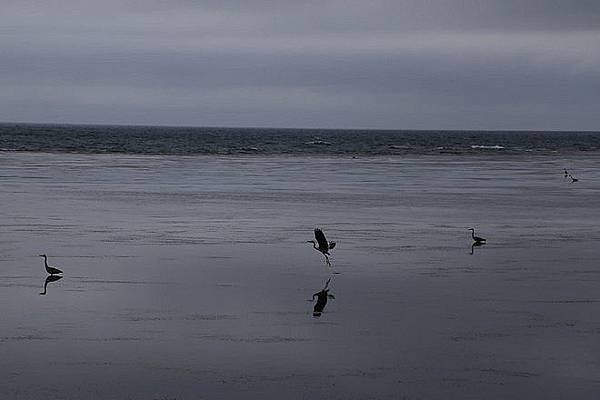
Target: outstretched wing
column 321, row 239
column 331, row 245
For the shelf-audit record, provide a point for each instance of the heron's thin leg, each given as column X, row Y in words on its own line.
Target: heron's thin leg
column 327, row 260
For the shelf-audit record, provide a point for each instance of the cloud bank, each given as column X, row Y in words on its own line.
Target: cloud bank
column 527, row 64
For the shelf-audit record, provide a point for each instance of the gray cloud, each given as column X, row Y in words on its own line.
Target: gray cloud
column 389, row 64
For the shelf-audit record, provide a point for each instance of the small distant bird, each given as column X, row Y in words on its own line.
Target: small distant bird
column 573, row 179
column 566, row 173
column 49, row 269
column 322, row 297
column 324, row 245
column 476, row 239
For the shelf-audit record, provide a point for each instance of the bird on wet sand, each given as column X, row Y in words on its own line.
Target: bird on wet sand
column 49, row 269
column 324, row 245
column 478, row 240
column 573, row 179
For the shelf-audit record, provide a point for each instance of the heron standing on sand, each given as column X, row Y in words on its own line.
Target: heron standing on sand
column 324, row 245
column 478, row 240
column 49, row 269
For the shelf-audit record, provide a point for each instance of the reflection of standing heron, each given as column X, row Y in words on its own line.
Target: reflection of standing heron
column 476, row 244
column 322, row 297
column 476, row 239
column 49, row 269
column 50, row 278
column 324, row 245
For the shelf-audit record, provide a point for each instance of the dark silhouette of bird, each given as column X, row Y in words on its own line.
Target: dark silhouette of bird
column 50, row 278
column 324, row 245
column 566, row 173
column 322, row 297
column 49, row 269
column 476, row 239
column 476, row 244
column 573, row 179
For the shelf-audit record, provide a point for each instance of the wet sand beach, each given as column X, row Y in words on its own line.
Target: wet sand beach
column 188, row 277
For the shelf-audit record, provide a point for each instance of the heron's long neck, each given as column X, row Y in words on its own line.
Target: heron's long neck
column 46, row 261
column 314, row 244
column 473, row 234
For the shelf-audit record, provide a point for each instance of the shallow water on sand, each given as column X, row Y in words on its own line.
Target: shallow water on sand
column 188, row 277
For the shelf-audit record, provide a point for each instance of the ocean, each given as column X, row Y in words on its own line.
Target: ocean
column 187, row 274
column 263, row 141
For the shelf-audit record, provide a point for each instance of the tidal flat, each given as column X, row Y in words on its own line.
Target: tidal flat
column 189, row 277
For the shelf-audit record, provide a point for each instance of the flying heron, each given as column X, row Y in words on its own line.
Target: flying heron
column 322, row 297
column 476, row 239
column 324, row 245
column 49, row 269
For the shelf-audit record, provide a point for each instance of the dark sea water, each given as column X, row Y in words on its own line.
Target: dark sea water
column 189, row 141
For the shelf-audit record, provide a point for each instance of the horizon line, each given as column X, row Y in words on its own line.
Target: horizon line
column 133, row 125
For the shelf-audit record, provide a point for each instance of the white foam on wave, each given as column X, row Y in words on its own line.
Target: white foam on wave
column 319, row 143
column 494, row 147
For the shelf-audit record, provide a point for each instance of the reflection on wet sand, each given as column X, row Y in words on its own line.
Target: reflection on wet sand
column 322, row 297
column 50, row 278
column 476, row 244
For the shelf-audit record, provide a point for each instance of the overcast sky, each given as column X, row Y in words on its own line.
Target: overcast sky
column 405, row 64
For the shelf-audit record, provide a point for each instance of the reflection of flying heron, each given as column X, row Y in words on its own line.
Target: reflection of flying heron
column 322, row 297
column 476, row 239
column 324, row 245
column 49, row 269
column 50, row 278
